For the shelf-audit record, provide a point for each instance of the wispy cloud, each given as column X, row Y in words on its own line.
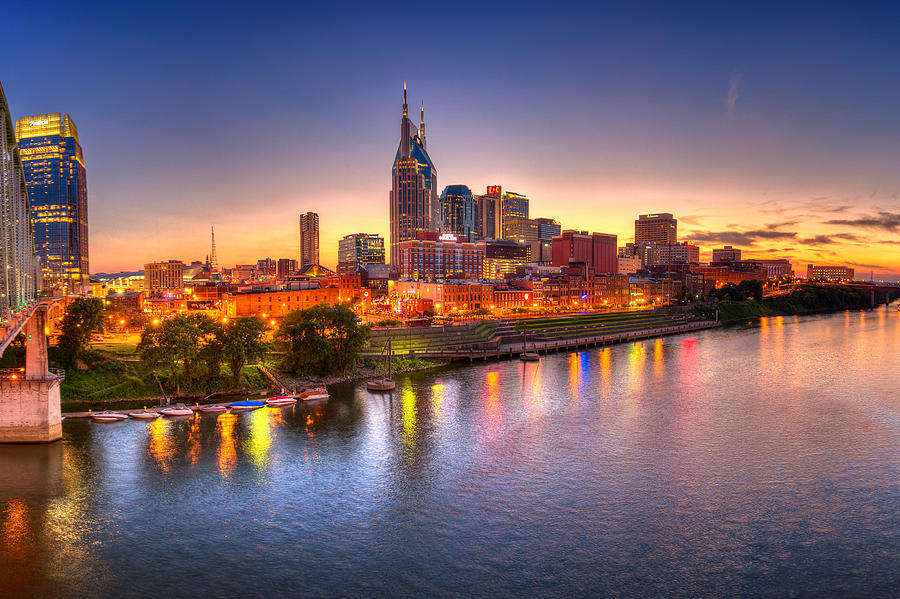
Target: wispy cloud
column 734, row 92
column 829, row 239
column 885, row 221
column 740, row 237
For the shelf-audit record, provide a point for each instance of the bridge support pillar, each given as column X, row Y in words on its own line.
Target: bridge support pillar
column 29, row 407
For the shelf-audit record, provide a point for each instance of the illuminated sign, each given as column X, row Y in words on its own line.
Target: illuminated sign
column 38, row 123
column 447, row 237
column 493, row 189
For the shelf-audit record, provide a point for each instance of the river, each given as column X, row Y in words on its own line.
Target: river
column 742, row 461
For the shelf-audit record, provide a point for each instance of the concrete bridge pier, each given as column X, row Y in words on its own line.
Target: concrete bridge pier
column 29, row 404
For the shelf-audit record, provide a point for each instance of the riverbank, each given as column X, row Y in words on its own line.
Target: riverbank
column 803, row 299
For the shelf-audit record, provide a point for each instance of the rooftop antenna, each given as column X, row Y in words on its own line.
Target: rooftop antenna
column 213, row 260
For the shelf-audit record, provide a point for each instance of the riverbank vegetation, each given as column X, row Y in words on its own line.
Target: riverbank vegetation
column 320, row 340
column 739, row 302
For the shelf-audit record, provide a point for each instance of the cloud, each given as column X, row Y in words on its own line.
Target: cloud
column 828, row 239
column 740, row 237
column 734, row 92
column 885, row 221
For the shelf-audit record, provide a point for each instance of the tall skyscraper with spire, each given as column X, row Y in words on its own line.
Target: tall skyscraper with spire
column 414, row 204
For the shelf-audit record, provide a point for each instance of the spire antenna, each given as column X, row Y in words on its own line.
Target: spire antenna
column 405, row 110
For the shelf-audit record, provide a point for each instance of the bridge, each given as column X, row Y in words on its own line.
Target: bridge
column 878, row 293
column 29, row 396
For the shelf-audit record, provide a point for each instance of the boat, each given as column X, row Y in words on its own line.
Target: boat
column 212, row 409
column 178, row 410
column 108, row 416
column 281, row 400
column 528, row 356
column 144, row 415
column 385, row 383
column 313, row 393
column 246, row 406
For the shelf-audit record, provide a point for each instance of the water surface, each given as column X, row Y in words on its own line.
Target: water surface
column 762, row 460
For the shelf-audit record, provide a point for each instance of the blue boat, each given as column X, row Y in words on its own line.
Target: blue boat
column 246, row 406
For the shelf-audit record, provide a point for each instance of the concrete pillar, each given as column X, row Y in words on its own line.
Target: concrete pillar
column 29, row 408
column 30, row 411
column 36, row 366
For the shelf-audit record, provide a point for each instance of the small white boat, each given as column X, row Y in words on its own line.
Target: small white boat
column 281, row 400
column 108, row 417
column 311, row 394
column 530, row 356
column 213, row 409
column 246, row 406
column 144, row 415
column 178, row 410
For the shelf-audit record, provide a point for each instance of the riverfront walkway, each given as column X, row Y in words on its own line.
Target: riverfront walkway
column 508, row 338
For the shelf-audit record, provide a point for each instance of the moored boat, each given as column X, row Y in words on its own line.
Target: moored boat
column 108, row 416
column 213, row 409
column 530, row 356
column 314, row 393
column 281, row 400
column 246, row 406
column 144, row 415
column 381, row 385
column 178, row 410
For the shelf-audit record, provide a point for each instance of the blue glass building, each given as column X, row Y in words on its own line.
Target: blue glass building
column 458, row 212
column 55, row 177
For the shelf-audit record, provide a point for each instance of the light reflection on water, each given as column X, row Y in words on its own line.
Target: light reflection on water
column 756, row 460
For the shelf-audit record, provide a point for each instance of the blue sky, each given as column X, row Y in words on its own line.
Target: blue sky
column 740, row 118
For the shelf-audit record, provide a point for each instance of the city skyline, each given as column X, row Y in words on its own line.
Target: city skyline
column 766, row 150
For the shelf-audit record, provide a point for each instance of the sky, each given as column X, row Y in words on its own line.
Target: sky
column 768, row 127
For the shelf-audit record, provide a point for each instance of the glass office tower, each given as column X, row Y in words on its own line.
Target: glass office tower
column 458, row 212
column 57, row 188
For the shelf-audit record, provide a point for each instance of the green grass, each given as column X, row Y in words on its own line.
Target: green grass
column 119, row 379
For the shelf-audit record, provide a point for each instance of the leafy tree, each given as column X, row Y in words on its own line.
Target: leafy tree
column 83, row 318
column 321, row 340
column 752, row 289
column 241, row 340
column 188, row 340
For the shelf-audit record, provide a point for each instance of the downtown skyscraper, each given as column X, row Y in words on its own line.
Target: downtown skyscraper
column 309, row 239
column 414, row 205
column 56, row 179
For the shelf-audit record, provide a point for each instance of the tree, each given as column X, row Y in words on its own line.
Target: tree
column 188, row 340
column 241, row 340
column 321, row 340
column 752, row 289
column 83, row 318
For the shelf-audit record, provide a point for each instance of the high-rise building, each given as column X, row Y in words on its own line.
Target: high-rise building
column 487, row 213
column 672, row 253
column 161, row 278
column 266, row 266
column 359, row 250
column 512, row 205
column 828, row 272
column 502, row 256
column 596, row 251
column 726, row 254
column 309, row 239
column 655, row 228
column 433, row 257
column 19, row 285
column 458, row 212
column 413, row 201
column 57, row 189
column 524, row 231
column 547, row 228
column 285, row 267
